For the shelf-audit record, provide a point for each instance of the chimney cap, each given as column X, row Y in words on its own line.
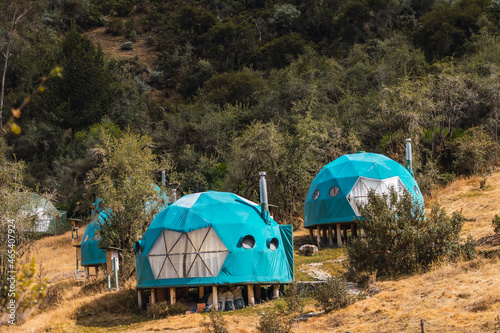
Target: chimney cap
column 262, row 173
column 408, row 140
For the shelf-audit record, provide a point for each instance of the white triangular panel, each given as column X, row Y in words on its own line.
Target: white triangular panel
column 198, row 236
column 183, row 245
column 158, row 247
column 214, row 261
column 171, row 238
column 156, row 263
column 212, row 243
column 168, row 271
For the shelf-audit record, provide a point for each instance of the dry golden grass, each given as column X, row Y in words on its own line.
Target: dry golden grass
column 451, row 297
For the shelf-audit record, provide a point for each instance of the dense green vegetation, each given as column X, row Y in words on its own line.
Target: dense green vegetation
column 280, row 86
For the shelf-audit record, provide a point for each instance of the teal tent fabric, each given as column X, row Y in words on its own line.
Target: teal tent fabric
column 335, row 191
column 213, row 238
column 91, row 253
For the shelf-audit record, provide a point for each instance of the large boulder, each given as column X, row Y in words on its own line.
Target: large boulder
column 308, row 250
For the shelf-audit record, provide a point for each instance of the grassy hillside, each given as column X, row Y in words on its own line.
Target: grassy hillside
column 451, row 297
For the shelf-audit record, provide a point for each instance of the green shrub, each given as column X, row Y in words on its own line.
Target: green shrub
column 475, row 152
column 217, row 324
column 400, row 239
column 496, row 223
column 151, row 40
column 133, row 36
column 294, row 298
column 333, row 295
column 163, row 309
column 275, row 321
column 114, row 27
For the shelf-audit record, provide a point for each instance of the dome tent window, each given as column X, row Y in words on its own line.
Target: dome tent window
column 359, row 193
column 316, row 195
column 198, row 253
column 86, row 238
column 334, row 191
column 273, row 244
column 248, row 242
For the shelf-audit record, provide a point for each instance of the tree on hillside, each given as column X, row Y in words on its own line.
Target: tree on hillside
column 14, row 13
column 124, row 180
column 83, row 95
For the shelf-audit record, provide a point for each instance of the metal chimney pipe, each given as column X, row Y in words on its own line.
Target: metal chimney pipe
column 263, row 197
column 174, row 194
column 163, row 178
column 409, row 159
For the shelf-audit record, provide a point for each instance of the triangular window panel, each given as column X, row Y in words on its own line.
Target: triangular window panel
column 168, row 271
column 214, row 261
column 197, row 237
column 212, row 243
column 171, row 238
column 198, row 268
column 183, row 245
column 156, row 263
column 158, row 247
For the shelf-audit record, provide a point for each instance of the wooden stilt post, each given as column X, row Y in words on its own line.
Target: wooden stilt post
column 153, row 296
column 215, row 298
column 318, row 237
column 87, row 273
column 345, row 233
column 201, row 292
column 276, row 291
column 330, row 238
column 324, row 238
column 339, row 235
column 352, row 230
column 96, row 272
column 311, row 235
column 172, row 296
column 251, row 297
column 139, row 298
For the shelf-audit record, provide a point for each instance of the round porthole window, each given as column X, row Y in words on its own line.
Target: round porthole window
column 273, row 244
column 315, row 194
column 334, row 191
column 416, row 190
column 248, row 242
column 86, row 238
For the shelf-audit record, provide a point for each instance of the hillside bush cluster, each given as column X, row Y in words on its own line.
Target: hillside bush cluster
column 398, row 238
column 164, row 309
column 334, row 294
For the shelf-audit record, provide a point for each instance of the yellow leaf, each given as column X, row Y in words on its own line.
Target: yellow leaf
column 41, row 89
column 14, row 128
column 16, row 113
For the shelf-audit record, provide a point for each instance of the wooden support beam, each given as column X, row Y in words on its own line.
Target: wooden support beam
column 339, row 235
column 96, row 272
column 251, row 297
column 353, row 230
column 215, row 298
column 153, row 296
column 330, row 239
column 87, row 273
column 318, row 237
column 311, row 235
column 324, row 238
column 276, row 291
column 345, row 233
column 201, row 292
column 172, row 296
column 139, row 298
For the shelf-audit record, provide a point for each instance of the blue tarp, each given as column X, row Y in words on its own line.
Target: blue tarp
column 342, row 184
column 213, row 238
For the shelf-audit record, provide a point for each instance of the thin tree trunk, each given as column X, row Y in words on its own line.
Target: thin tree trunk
column 6, row 55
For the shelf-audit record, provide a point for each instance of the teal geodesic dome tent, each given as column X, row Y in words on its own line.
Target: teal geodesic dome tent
column 338, row 189
column 92, row 254
column 47, row 218
column 213, row 238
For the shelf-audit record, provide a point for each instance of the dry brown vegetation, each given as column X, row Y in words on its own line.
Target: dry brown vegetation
column 451, row 297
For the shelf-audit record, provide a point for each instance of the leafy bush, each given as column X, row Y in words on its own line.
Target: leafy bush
column 114, row 27
column 275, row 321
column 334, row 294
column 474, row 152
column 217, row 324
column 163, row 309
column 399, row 239
column 294, row 298
column 151, row 40
column 496, row 223
column 29, row 294
column 133, row 36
